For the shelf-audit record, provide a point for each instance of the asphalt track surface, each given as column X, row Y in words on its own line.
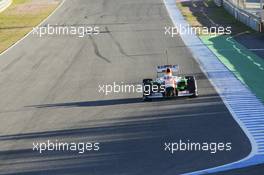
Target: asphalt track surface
column 252, row 170
column 49, row 90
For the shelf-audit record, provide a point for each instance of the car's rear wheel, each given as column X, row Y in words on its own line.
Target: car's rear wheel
column 192, row 85
column 170, row 92
column 147, row 83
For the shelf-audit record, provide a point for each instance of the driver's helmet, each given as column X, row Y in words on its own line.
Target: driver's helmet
column 168, row 72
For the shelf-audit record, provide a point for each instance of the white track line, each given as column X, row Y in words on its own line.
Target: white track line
column 232, row 92
column 8, row 49
column 5, row 4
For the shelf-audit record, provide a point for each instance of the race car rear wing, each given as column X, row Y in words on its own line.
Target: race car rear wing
column 163, row 68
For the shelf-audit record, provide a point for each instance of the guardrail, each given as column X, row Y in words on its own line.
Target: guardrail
column 4, row 4
column 250, row 19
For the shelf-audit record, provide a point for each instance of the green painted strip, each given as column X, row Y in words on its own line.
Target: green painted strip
column 247, row 66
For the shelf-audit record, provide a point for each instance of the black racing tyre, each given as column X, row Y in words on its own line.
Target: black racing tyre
column 192, row 85
column 169, row 92
column 147, row 86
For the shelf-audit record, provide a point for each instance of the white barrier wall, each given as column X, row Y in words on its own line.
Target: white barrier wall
column 243, row 16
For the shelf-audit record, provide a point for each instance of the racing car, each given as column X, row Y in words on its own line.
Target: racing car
column 168, row 84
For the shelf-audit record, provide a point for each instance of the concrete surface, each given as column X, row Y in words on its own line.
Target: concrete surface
column 49, row 90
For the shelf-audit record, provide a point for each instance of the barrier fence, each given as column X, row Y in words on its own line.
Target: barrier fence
column 244, row 12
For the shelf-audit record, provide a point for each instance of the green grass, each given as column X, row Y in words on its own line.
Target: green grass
column 14, row 23
column 205, row 12
column 245, row 65
column 21, row 1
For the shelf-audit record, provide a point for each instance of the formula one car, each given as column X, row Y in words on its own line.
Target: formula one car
column 168, row 84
